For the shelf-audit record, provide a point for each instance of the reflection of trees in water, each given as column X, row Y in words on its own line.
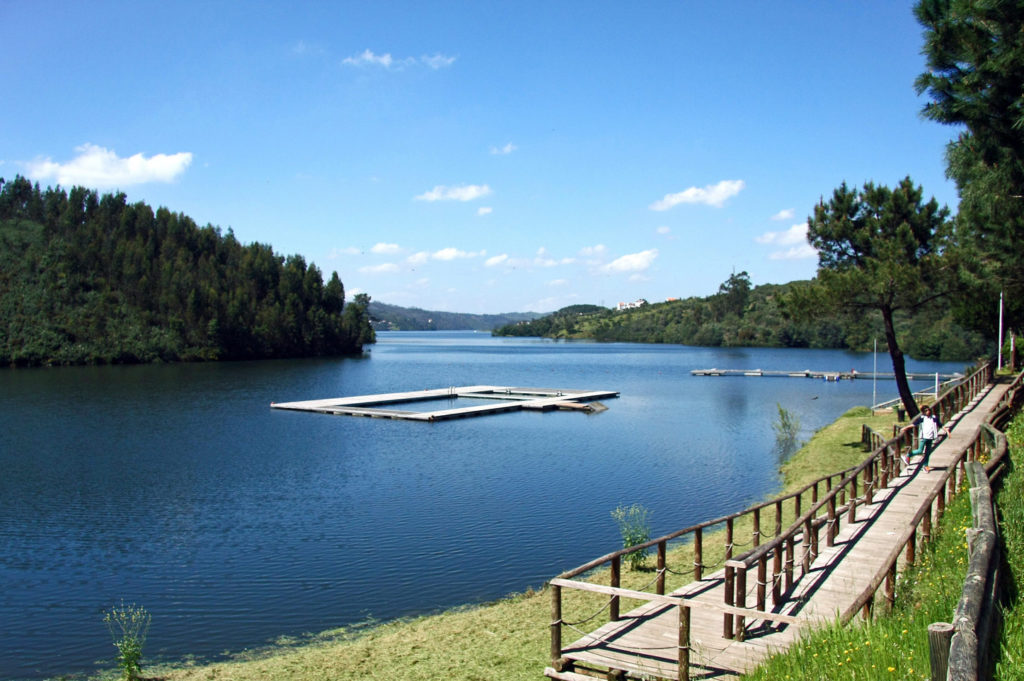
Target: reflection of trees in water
column 787, row 431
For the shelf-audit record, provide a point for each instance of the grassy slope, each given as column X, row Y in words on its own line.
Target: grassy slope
column 508, row 639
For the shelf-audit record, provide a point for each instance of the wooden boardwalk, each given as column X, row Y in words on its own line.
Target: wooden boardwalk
column 647, row 640
column 499, row 399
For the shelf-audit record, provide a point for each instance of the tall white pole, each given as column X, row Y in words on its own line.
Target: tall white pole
column 999, row 360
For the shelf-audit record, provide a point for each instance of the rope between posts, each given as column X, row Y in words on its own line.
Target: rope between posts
column 608, row 603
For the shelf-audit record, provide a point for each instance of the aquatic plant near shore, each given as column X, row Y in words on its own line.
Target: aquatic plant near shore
column 128, row 626
column 635, row 529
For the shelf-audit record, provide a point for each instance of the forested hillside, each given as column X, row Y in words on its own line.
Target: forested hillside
column 395, row 318
column 742, row 315
column 86, row 278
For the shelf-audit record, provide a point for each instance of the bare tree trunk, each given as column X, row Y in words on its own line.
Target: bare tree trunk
column 899, row 367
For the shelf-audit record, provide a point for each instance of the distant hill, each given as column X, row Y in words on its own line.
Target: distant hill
column 386, row 317
column 742, row 315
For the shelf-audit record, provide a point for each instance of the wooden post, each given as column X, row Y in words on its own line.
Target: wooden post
column 730, row 587
column 776, row 574
column 741, row 602
column 830, row 536
column 613, row 607
column 698, row 554
column 926, row 527
column 869, row 482
column 854, row 496
column 661, row 567
column 868, row 607
column 912, row 548
column 890, row 588
column 806, row 562
column 684, row 643
column 762, row 581
column 789, row 563
column 556, row 623
column 728, row 539
column 757, row 527
column 814, row 494
column 939, row 636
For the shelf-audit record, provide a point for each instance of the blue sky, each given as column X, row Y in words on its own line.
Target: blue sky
column 475, row 156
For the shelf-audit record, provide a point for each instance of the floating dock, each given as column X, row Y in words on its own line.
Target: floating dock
column 500, row 399
column 823, row 375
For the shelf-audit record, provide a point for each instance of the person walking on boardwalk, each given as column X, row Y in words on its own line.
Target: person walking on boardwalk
column 929, row 429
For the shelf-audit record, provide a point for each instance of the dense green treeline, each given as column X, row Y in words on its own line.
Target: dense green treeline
column 743, row 315
column 86, row 278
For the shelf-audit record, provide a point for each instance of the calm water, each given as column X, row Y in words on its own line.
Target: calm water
column 178, row 488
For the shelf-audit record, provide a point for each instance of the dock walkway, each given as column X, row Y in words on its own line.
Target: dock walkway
column 646, row 641
column 500, row 398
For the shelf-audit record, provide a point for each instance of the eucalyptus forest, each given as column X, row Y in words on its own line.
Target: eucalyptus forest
column 90, row 279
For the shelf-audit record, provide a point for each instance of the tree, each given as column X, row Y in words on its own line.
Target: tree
column 881, row 249
column 975, row 59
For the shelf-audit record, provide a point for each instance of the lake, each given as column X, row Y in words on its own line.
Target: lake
column 178, row 488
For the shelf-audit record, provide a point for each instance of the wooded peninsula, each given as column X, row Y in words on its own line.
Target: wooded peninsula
column 90, row 279
column 742, row 315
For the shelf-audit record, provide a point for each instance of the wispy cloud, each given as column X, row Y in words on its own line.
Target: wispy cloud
column 368, row 59
column 795, row 237
column 484, row 210
column 379, row 269
column 385, row 249
column 797, row 234
column 437, row 61
column 795, row 253
column 664, row 230
column 99, row 167
column 711, row 195
column 634, row 262
column 505, row 150
column 338, row 252
column 784, row 214
column 418, row 258
column 306, row 48
column 466, row 192
column 496, row 260
column 455, row 254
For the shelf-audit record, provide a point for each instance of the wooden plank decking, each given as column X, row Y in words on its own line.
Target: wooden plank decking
column 502, row 398
column 645, row 640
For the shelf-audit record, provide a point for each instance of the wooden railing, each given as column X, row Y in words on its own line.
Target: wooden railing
column 831, row 498
column 959, row 650
column 870, row 475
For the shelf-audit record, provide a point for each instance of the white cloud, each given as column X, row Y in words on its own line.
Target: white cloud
column 505, row 150
column 634, row 262
column 466, row 192
column 496, row 260
column 97, row 167
column 386, row 249
column 785, row 214
column 367, row 58
column 711, row 195
column 437, row 61
column 484, row 210
column 795, row 237
column 454, row 253
column 379, row 269
column 795, row 253
column 797, row 234
column 348, row 250
column 558, row 282
column 664, row 230
column 593, row 251
column 418, row 258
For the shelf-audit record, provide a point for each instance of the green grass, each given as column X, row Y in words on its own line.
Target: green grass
column 509, row 639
